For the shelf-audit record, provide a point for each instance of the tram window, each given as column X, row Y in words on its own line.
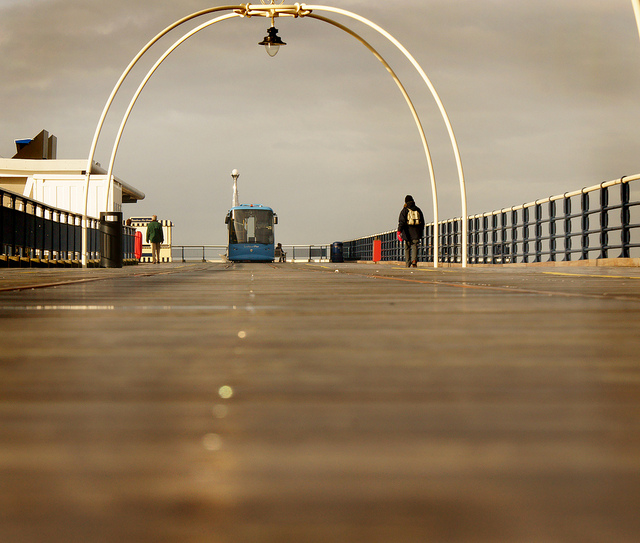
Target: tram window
column 251, row 229
column 251, row 226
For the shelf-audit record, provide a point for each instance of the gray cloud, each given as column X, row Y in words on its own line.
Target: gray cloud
column 542, row 96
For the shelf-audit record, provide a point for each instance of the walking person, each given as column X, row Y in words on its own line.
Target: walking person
column 411, row 228
column 155, row 237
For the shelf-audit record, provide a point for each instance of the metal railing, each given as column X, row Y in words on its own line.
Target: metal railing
column 35, row 234
column 307, row 253
column 602, row 221
column 217, row 253
column 198, row 253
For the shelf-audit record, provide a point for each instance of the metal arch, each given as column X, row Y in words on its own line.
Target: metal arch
column 107, row 106
column 443, row 112
column 416, row 118
column 170, row 50
column 297, row 10
column 324, row 19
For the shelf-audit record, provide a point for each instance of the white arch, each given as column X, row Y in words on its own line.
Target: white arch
column 297, row 10
column 443, row 112
column 416, row 118
column 324, row 19
column 107, row 106
column 148, row 76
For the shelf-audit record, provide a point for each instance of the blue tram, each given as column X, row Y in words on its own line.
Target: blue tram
column 251, row 233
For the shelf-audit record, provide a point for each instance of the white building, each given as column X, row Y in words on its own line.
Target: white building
column 36, row 173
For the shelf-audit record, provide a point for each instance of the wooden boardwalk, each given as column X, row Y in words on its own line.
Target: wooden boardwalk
column 322, row 403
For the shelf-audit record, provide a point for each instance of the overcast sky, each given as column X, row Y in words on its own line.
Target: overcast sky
column 543, row 97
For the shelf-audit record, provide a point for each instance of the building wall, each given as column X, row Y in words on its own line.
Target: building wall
column 67, row 192
column 14, row 184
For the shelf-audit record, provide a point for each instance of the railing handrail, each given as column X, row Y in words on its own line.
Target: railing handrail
column 605, row 184
column 35, row 233
column 514, row 234
column 37, row 204
column 305, row 251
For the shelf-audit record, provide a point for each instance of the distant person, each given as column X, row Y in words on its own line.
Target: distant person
column 411, row 228
column 155, row 237
column 282, row 256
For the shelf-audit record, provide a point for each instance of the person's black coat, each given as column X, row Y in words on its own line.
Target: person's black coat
column 410, row 232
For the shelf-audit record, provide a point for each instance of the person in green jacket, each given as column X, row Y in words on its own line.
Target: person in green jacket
column 155, row 237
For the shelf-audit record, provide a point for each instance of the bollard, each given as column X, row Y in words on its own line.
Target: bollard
column 377, row 250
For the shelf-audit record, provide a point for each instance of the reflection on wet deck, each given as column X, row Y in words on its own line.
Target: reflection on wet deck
column 292, row 403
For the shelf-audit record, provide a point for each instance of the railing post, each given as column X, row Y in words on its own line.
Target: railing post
column 453, row 241
column 456, row 241
column 443, row 250
column 17, row 241
column 525, row 234
column 472, row 234
column 31, row 241
column 494, row 238
column 432, row 230
column 625, row 219
column 567, row 228
column 584, row 199
column 552, row 231
column 538, row 232
column 503, row 236
column 29, row 231
column 476, row 239
column 485, row 239
column 604, row 222
column 514, row 235
column 427, row 250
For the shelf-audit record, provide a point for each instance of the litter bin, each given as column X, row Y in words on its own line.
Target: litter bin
column 337, row 252
column 111, row 239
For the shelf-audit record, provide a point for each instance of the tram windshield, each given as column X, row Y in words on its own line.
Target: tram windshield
column 251, row 226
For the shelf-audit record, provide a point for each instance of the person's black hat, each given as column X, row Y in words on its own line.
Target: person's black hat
column 408, row 198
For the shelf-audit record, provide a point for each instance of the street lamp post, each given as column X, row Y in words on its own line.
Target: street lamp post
column 236, row 200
